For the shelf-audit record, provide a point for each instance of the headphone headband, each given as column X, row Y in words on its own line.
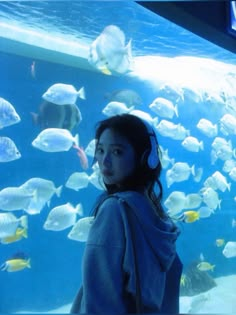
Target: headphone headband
column 153, row 158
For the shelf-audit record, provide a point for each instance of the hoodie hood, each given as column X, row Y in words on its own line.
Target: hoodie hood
column 159, row 234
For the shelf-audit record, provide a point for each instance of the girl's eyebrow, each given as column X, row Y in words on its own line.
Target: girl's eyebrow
column 113, row 144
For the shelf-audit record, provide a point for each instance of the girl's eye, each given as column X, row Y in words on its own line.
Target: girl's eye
column 99, row 151
column 117, row 152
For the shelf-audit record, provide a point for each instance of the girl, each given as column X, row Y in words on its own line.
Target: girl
column 130, row 263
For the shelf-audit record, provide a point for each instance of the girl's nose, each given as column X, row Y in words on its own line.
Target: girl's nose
column 107, row 159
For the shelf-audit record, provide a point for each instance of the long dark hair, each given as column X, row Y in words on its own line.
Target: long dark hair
column 135, row 131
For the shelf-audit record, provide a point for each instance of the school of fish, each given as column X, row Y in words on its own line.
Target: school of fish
column 109, row 54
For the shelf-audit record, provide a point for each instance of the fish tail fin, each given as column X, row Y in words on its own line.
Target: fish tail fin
column 58, row 190
column 79, row 209
column 76, row 140
column 25, row 233
column 24, row 221
column 28, row 264
column 3, row 267
column 81, row 93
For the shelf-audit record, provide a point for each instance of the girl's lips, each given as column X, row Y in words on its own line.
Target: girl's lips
column 106, row 173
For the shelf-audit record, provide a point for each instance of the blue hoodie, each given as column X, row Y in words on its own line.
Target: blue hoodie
column 108, row 273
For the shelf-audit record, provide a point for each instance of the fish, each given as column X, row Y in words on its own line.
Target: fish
column 220, row 242
column 210, row 182
column 16, row 198
column 193, row 201
column 80, row 230
column 19, row 234
column 63, row 94
column 205, row 266
column 8, row 150
column 15, row 264
column 210, row 197
column 228, row 125
column 218, row 142
column 192, row 144
column 232, row 173
column 206, row 127
column 55, row 140
column 164, row 108
column 95, row 178
column 166, row 128
column 44, row 189
column 189, row 216
column 77, row 181
column 205, row 212
column 225, row 153
column 116, row 108
column 179, row 172
column 229, row 165
column 51, row 115
column 108, row 52
column 221, row 181
column 9, row 224
column 145, row 116
column 229, row 250
column 82, row 157
column 62, row 217
column 8, row 114
column 127, row 96
column 174, row 131
column 175, row 202
column 180, row 132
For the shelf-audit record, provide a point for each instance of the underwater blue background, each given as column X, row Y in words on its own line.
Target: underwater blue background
column 55, row 274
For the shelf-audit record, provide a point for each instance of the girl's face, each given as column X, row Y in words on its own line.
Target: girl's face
column 115, row 156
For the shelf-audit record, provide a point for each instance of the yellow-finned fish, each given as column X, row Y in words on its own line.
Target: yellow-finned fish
column 15, row 264
column 189, row 216
column 205, row 266
column 20, row 233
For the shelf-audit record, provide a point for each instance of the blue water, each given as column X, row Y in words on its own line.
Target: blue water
column 55, row 274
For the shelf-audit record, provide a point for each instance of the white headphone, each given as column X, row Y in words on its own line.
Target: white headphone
column 153, row 158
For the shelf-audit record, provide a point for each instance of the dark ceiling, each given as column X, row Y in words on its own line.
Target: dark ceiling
column 208, row 19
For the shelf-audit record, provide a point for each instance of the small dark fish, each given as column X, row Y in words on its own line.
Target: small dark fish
column 126, row 96
column 57, row 116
